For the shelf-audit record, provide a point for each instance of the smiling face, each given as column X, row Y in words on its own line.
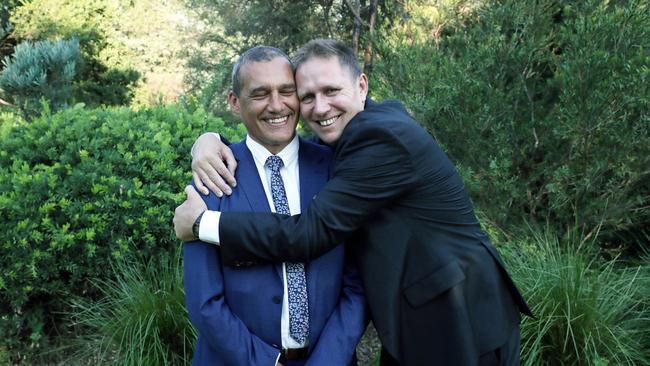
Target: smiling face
column 267, row 102
column 329, row 96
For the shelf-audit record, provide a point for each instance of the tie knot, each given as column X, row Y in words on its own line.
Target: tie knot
column 274, row 162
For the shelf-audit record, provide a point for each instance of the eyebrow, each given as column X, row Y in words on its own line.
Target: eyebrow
column 287, row 86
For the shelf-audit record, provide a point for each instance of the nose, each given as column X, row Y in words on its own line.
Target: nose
column 321, row 106
column 275, row 103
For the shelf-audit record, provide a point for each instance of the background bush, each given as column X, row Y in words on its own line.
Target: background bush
column 107, row 78
column 79, row 189
column 41, row 70
column 141, row 318
column 588, row 311
column 545, row 107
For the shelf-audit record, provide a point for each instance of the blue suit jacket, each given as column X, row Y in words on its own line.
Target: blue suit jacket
column 237, row 310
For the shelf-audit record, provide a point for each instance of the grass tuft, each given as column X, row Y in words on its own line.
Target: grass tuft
column 141, row 318
column 588, row 310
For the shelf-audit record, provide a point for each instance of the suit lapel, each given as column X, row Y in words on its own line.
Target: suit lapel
column 313, row 173
column 250, row 184
column 248, row 180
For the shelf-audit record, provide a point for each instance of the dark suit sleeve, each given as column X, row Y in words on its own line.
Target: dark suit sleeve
column 373, row 170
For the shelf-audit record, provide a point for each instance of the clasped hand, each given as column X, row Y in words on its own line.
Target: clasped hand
column 213, row 165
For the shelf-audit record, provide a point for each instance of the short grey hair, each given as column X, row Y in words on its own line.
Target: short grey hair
column 255, row 54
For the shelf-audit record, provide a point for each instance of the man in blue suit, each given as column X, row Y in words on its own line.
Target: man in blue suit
column 246, row 316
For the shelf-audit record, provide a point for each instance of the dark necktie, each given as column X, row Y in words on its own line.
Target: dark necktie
column 296, row 281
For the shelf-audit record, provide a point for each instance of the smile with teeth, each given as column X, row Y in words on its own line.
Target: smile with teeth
column 327, row 122
column 278, row 120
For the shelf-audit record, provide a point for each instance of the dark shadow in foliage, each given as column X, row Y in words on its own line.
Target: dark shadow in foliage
column 7, row 42
column 110, row 87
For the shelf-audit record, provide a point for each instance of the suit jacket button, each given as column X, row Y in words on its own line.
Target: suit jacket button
column 276, row 299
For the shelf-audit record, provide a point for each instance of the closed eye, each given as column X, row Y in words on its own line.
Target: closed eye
column 288, row 92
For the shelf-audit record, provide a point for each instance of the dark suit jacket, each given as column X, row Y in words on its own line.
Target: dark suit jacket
column 437, row 289
column 237, row 310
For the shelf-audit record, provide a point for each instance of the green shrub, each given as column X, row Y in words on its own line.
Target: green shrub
column 141, row 318
column 588, row 311
column 43, row 69
column 545, row 107
column 106, row 78
column 79, row 189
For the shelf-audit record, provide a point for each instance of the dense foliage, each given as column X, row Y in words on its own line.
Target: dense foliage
column 545, row 107
column 79, row 189
column 41, row 70
column 105, row 78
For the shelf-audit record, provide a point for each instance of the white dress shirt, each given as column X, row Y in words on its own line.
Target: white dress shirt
column 209, row 228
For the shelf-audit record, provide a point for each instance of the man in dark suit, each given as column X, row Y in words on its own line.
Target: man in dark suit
column 437, row 288
column 243, row 315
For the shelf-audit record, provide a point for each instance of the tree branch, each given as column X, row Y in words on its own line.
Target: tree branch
column 3, row 102
column 355, row 12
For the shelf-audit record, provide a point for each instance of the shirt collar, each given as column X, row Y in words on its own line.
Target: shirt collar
column 289, row 154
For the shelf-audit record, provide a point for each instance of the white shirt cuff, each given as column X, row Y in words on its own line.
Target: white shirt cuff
column 209, row 227
column 194, row 144
column 278, row 359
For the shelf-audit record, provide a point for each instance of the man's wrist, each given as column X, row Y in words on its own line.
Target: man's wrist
column 197, row 224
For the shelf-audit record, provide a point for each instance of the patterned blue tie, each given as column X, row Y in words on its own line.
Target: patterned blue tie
column 296, row 281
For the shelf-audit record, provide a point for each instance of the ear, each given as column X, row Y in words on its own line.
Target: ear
column 362, row 81
column 233, row 103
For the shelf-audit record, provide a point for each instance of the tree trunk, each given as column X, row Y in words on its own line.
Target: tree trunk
column 355, row 8
column 327, row 7
column 356, row 30
column 368, row 56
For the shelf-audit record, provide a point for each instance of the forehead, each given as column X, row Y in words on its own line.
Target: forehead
column 266, row 73
column 319, row 71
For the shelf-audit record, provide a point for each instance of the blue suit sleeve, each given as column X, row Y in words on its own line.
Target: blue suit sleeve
column 345, row 326
column 217, row 325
